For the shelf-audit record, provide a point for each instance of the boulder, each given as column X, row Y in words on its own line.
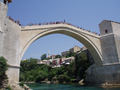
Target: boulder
column 81, row 82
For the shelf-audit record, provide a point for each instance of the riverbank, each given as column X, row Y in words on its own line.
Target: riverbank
column 81, row 83
column 105, row 85
column 65, row 86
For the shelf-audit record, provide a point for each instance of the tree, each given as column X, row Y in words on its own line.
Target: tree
column 58, row 56
column 43, row 57
column 41, row 76
column 81, row 64
column 27, row 65
column 3, row 65
column 71, row 69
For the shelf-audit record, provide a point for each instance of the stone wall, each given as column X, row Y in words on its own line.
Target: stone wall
column 3, row 14
column 110, row 41
column 1, row 43
column 11, row 48
column 103, row 74
column 109, row 50
column 12, row 42
column 117, row 40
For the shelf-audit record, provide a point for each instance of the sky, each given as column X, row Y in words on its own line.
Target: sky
column 83, row 13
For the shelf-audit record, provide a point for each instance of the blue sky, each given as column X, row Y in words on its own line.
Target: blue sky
column 83, row 13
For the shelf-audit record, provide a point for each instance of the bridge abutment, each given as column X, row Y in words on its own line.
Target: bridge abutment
column 110, row 41
column 109, row 73
column 13, row 73
column 10, row 43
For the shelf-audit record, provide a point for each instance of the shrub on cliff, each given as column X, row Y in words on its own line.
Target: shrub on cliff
column 8, row 88
column 3, row 65
column 21, row 83
column 63, row 78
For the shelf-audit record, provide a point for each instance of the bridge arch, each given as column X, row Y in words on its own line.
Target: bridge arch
column 32, row 33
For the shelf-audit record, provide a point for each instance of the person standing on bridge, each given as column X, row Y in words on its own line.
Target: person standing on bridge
column 64, row 20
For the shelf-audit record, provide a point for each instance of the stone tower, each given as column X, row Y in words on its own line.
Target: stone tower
column 110, row 41
column 3, row 15
column 9, row 41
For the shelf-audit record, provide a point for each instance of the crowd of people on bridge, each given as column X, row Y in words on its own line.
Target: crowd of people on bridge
column 15, row 21
column 49, row 23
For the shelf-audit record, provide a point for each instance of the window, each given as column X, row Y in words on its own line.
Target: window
column 106, row 31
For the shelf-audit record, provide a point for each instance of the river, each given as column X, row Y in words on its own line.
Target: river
column 45, row 86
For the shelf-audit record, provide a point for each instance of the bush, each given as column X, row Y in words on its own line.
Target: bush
column 21, row 83
column 63, row 78
column 8, row 88
column 3, row 65
column 22, row 77
column 41, row 76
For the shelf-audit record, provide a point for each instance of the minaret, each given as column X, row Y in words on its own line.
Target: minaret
column 48, row 53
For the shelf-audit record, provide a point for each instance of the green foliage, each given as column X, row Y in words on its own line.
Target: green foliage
column 30, row 71
column 83, row 59
column 28, row 65
column 8, row 88
column 71, row 69
column 21, row 83
column 3, row 65
column 22, row 76
column 63, row 78
column 41, row 76
column 43, row 57
column 81, row 64
column 58, row 56
column 71, row 54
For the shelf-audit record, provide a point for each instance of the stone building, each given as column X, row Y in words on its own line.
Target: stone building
column 52, row 56
column 74, row 49
column 64, row 54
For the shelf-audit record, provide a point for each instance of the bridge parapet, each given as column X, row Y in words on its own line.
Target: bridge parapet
column 41, row 27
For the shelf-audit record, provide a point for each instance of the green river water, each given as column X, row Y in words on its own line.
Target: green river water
column 44, row 86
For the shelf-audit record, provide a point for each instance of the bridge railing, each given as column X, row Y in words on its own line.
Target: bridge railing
column 50, row 23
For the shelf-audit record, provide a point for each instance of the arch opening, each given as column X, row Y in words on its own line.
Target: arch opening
column 52, row 44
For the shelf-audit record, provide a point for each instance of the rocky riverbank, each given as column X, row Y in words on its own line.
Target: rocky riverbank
column 13, row 86
column 81, row 82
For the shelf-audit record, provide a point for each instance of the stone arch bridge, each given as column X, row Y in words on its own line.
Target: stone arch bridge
column 105, row 49
column 31, row 33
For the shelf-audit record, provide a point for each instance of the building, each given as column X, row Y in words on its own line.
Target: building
column 67, row 61
column 42, row 62
column 52, row 57
column 74, row 49
column 62, row 61
column 64, row 54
